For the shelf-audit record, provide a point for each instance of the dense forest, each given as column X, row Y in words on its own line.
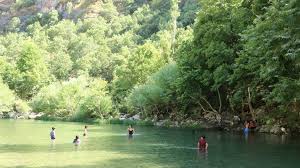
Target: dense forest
column 163, row 59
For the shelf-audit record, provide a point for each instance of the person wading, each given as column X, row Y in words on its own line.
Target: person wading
column 202, row 144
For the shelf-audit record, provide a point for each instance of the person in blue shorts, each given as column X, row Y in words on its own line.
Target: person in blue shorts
column 52, row 134
column 246, row 129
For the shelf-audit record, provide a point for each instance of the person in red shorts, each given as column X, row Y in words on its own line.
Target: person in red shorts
column 202, row 144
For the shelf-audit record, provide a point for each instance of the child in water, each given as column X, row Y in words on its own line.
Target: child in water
column 85, row 131
column 246, row 129
column 130, row 130
column 202, row 144
column 76, row 141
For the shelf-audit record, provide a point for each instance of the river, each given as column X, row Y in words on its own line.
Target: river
column 25, row 143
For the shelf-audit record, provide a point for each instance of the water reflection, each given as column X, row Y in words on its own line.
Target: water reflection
column 52, row 146
column 202, row 154
column 246, row 134
column 76, row 147
column 283, row 139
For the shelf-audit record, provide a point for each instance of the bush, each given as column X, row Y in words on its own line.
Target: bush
column 59, row 99
column 7, row 98
column 157, row 95
column 78, row 99
column 22, row 106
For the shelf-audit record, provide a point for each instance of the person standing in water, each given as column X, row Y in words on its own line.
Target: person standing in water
column 246, row 129
column 76, row 141
column 85, row 131
column 52, row 134
column 202, row 144
column 130, row 130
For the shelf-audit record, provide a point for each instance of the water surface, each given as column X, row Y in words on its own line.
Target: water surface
column 27, row 144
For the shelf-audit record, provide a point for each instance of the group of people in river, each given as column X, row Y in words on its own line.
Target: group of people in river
column 202, row 144
column 76, row 140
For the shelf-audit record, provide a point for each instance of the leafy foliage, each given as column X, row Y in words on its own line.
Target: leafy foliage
column 164, row 58
column 78, row 98
column 7, row 98
column 157, row 96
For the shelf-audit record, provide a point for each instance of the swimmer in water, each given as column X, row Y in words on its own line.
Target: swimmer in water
column 202, row 144
column 85, row 131
column 130, row 130
column 76, row 141
column 246, row 129
column 52, row 134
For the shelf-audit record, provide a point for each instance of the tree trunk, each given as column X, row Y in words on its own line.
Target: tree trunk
column 250, row 105
column 220, row 101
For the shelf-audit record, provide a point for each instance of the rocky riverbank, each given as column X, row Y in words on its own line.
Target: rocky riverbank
column 16, row 115
column 214, row 121
column 209, row 121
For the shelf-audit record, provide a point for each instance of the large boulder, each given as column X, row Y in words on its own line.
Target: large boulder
column 136, row 117
column 32, row 116
column 122, row 116
column 276, row 129
column 13, row 115
column 21, row 117
column 159, row 123
column 213, row 118
column 265, row 129
column 236, row 119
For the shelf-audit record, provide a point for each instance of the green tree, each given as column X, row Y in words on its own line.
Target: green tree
column 32, row 69
column 7, row 98
column 13, row 25
column 206, row 62
column 157, row 97
column 269, row 62
column 146, row 60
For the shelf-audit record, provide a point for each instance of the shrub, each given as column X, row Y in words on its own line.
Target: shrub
column 22, row 106
column 157, row 95
column 7, row 98
column 78, row 99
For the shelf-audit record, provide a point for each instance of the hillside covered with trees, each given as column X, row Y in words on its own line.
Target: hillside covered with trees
column 175, row 60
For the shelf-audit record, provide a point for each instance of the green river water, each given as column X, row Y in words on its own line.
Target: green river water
column 27, row 144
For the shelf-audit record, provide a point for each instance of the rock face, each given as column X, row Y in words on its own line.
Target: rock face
column 35, row 115
column 15, row 115
column 213, row 118
column 160, row 123
column 126, row 116
column 265, row 129
column 275, row 129
column 122, row 116
column 46, row 5
column 136, row 117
